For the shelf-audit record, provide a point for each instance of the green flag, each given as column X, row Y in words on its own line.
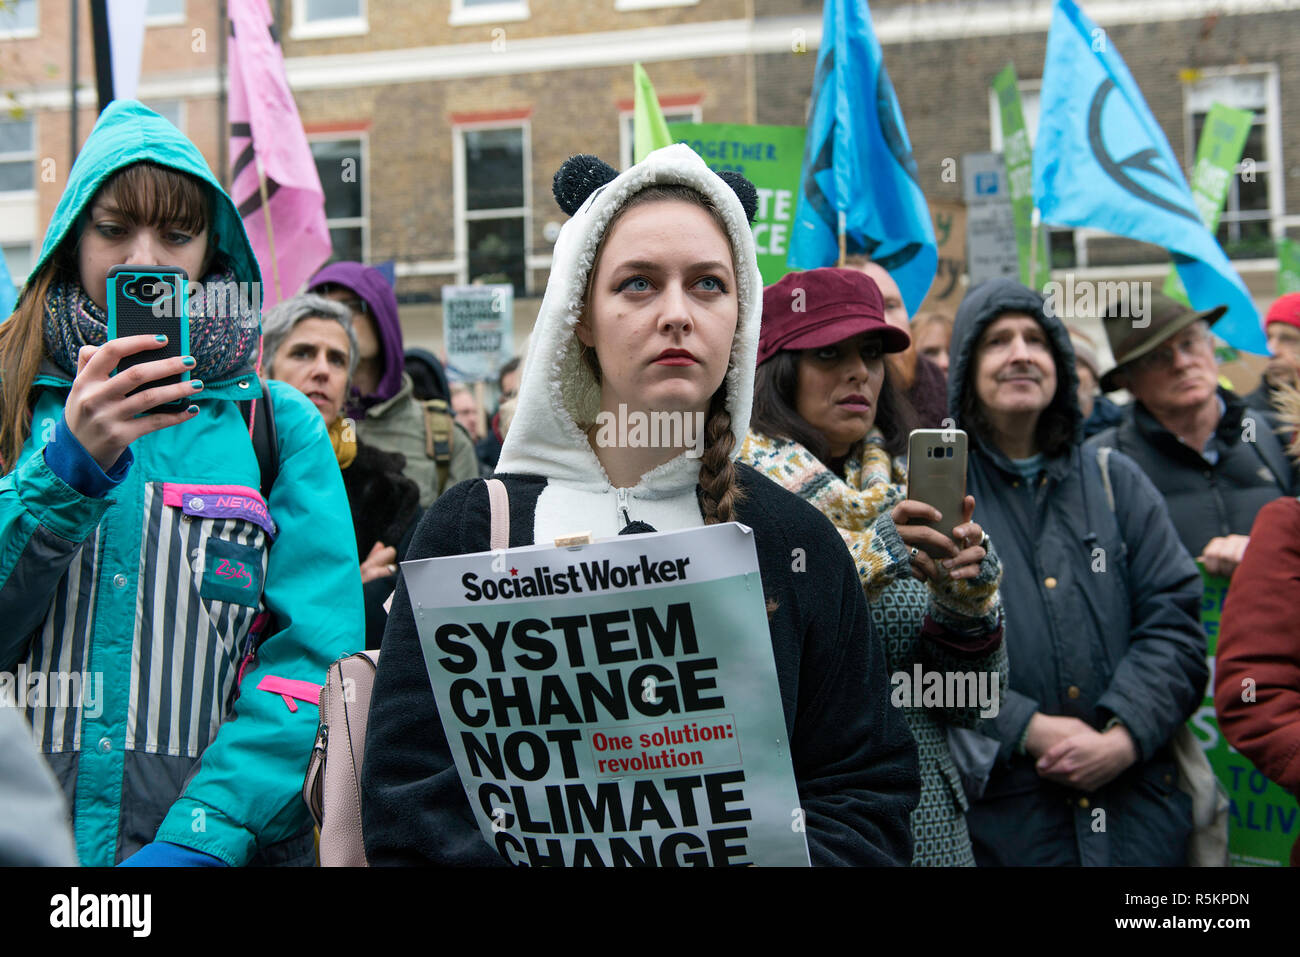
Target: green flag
column 1217, row 154
column 1019, row 157
column 650, row 130
column 1288, row 267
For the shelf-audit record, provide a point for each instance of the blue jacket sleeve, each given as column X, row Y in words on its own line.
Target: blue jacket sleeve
column 247, row 791
column 43, row 523
column 1161, row 679
column 70, row 461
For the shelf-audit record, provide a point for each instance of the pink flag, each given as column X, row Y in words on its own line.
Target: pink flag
column 266, row 137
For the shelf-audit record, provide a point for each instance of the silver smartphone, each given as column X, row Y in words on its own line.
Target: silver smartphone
column 936, row 475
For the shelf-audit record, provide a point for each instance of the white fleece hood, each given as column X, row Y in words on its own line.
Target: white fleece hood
column 559, row 397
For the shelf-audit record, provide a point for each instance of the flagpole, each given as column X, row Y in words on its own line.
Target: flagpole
column 1034, row 220
column 843, row 253
column 223, row 110
column 270, row 233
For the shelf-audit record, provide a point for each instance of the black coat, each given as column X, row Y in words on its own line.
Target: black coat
column 855, row 761
column 1208, row 500
column 1102, row 620
column 385, row 507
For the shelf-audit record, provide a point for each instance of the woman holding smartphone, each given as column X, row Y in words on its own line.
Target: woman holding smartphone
column 829, row 425
column 140, row 565
column 653, row 303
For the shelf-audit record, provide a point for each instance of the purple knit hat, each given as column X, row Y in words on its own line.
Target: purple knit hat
column 381, row 303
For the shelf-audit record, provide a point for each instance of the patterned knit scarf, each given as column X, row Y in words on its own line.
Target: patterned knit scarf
column 873, row 484
column 223, row 341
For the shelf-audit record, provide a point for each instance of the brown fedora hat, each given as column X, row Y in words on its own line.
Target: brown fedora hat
column 1165, row 317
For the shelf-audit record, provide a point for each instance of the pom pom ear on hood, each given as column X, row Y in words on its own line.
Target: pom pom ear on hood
column 744, row 190
column 578, row 178
column 559, row 397
column 583, row 174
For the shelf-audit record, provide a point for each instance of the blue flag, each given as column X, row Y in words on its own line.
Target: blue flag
column 8, row 294
column 858, row 161
column 1102, row 161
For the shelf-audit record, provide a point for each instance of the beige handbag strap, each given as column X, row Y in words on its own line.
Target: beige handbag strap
column 499, row 500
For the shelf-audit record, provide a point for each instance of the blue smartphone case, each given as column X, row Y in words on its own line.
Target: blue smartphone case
column 149, row 300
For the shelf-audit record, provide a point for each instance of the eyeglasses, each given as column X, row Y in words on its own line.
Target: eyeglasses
column 1191, row 344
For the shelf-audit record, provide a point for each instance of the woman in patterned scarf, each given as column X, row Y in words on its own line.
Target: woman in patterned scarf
column 829, row 426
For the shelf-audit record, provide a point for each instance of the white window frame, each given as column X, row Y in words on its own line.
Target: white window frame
column 30, row 192
column 460, row 190
column 166, row 19
column 351, row 222
column 182, row 114
column 503, row 11
column 1198, row 101
column 23, row 33
column 622, row 5
column 303, row 29
column 32, row 252
column 626, row 132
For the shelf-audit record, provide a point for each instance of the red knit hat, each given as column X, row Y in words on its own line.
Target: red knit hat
column 1285, row 309
column 805, row 310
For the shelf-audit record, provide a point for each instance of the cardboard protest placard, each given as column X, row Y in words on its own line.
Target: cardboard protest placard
column 1262, row 817
column 947, row 291
column 478, row 329
column 614, row 703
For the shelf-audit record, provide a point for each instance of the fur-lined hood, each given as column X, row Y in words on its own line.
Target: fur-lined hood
column 559, row 397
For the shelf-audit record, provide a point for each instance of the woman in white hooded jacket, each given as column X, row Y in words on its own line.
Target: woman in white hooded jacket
column 653, row 304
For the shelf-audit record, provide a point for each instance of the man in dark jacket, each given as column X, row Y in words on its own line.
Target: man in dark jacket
column 1107, row 653
column 1216, row 461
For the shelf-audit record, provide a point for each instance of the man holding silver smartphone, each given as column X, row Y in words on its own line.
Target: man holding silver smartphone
column 1106, row 648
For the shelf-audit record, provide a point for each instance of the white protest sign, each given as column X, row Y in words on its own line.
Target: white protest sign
column 614, row 703
column 478, row 329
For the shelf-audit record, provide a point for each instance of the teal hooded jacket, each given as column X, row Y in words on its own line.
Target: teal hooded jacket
column 134, row 623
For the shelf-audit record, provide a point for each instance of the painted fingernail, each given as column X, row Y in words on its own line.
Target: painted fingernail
column 188, row 362
column 160, row 338
column 193, row 410
column 197, row 384
column 947, row 563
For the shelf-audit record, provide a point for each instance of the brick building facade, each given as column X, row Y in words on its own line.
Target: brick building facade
column 437, row 124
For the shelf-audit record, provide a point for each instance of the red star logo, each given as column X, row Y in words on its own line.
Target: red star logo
column 514, row 571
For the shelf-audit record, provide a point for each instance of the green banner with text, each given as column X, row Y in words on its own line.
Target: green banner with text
column 1217, row 154
column 1262, row 818
column 1288, row 266
column 769, row 157
column 1018, row 154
